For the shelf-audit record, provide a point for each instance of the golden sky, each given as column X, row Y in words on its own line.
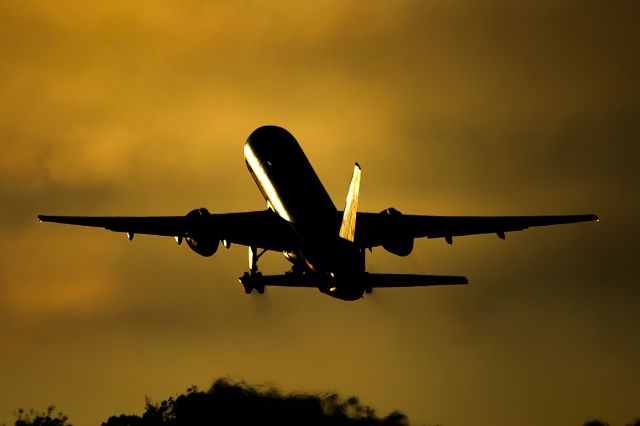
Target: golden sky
column 451, row 107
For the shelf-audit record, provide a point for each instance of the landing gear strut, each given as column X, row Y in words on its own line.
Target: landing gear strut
column 250, row 280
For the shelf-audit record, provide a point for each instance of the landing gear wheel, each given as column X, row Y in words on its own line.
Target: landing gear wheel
column 245, row 280
column 250, row 282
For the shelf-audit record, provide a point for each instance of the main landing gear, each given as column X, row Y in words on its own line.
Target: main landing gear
column 251, row 279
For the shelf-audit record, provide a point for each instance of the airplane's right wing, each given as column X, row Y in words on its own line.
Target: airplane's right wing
column 376, row 229
column 454, row 226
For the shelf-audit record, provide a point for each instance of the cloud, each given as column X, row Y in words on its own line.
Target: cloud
column 451, row 107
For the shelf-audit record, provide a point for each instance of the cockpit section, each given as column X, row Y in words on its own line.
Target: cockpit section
column 286, row 178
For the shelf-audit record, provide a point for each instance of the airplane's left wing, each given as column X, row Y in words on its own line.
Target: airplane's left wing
column 169, row 226
column 263, row 229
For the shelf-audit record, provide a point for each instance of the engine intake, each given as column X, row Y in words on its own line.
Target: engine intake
column 398, row 238
column 200, row 238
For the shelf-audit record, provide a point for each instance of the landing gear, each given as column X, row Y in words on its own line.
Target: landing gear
column 251, row 280
column 253, row 260
column 246, row 281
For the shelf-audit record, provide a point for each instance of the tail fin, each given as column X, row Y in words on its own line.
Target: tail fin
column 348, row 227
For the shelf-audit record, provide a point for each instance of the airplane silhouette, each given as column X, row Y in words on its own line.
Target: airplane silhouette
column 324, row 245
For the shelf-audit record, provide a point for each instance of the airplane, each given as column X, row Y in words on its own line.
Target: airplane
column 324, row 245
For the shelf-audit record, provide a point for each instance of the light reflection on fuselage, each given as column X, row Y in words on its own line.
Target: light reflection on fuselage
column 291, row 187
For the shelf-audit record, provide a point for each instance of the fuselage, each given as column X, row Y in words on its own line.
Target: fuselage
column 293, row 190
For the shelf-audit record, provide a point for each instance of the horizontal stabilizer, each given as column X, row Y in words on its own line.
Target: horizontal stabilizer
column 410, row 280
column 283, row 280
column 365, row 280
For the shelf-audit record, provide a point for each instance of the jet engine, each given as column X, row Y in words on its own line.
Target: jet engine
column 398, row 238
column 200, row 238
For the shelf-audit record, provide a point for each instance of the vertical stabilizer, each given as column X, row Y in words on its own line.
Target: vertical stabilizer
column 348, row 227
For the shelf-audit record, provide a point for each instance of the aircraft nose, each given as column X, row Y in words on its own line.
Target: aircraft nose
column 271, row 142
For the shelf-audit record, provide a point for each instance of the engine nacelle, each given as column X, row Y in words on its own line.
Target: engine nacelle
column 200, row 239
column 398, row 238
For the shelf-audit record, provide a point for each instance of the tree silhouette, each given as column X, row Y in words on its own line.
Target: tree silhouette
column 237, row 403
column 41, row 418
column 228, row 403
column 636, row 422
